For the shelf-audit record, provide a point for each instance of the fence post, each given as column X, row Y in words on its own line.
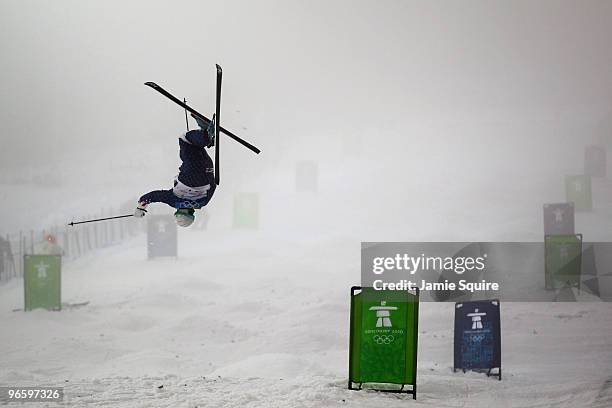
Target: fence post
column 96, row 233
column 106, row 230
column 100, row 227
column 88, row 229
column 20, row 257
column 66, row 242
column 77, row 241
column 121, row 224
column 112, row 228
column 14, row 267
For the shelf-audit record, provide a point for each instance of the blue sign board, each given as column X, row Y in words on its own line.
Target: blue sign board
column 559, row 219
column 477, row 336
column 161, row 236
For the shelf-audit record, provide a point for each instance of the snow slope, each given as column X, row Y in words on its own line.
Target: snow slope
column 260, row 318
column 222, row 327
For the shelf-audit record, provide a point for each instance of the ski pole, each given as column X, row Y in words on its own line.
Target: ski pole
column 186, row 120
column 101, row 219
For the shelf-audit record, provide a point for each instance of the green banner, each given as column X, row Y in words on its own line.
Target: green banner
column 383, row 337
column 246, row 210
column 578, row 191
column 42, row 282
column 563, row 258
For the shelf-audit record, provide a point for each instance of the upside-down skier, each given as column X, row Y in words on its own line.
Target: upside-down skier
column 198, row 178
column 195, row 184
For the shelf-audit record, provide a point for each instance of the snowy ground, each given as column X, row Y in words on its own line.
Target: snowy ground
column 221, row 327
column 260, row 318
column 429, row 122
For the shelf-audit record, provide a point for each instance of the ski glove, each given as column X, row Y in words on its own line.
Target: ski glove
column 139, row 212
column 202, row 123
column 208, row 126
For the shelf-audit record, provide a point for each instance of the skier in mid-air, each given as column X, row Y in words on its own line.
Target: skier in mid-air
column 195, row 184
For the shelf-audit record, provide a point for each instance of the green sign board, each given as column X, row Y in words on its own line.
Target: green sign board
column 246, row 210
column 578, row 191
column 383, row 339
column 563, row 259
column 42, row 282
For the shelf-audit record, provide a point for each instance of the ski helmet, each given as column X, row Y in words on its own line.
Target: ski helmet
column 184, row 217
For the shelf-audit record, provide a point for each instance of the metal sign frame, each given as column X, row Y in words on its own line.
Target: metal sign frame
column 27, row 296
column 459, row 363
column 354, row 380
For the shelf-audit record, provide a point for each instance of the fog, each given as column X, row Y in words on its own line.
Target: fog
column 437, row 96
column 428, row 121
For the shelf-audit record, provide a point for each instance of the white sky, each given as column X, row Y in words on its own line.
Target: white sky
column 72, row 71
column 452, row 94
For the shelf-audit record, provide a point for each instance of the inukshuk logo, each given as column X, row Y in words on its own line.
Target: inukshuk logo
column 383, row 314
column 476, row 319
column 383, row 334
column 41, row 270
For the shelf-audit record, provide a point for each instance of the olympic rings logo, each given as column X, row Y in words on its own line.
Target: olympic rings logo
column 188, row 204
column 477, row 337
column 383, row 339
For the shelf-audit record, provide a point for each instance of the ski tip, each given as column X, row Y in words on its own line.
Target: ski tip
column 151, row 84
column 219, row 69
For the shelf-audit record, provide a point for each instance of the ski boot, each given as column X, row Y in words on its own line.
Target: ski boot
column 208, row 127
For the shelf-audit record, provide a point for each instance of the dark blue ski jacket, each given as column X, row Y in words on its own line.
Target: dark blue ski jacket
column 195, row 185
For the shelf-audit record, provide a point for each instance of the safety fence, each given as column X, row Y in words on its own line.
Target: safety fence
column 72, row 242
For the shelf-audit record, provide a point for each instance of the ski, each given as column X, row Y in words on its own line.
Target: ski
column 217, row 123
column 186, row 118
column 174, row 99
